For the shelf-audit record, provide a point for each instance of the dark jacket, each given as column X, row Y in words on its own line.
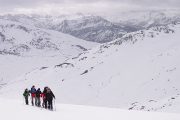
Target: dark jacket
column 49, row 95
column 26, row 93
column 38, row 93
column 44, row 91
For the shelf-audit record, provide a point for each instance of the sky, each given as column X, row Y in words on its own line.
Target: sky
column 83, row 6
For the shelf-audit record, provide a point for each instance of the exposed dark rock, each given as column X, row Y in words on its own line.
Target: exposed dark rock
column 86, row 71
column 65, row 65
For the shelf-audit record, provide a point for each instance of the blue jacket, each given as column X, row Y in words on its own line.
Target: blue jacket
column 33, row 90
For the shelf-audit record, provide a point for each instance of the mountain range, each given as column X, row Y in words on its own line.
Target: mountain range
column 99, row 28
column 138, row 71
column 135, row 67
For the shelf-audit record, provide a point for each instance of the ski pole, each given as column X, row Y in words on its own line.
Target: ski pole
column 54, row 105
column 23, row 100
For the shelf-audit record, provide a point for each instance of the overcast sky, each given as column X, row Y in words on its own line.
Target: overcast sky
column 72, row 6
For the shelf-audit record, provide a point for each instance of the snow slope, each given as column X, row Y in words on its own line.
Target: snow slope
column 24, row 48
column 140, row 71
column 15, row 110
column 17, row 38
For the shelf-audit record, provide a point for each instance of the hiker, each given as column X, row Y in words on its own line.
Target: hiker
column 26, row 96
column 49, row 97
column 43, row 99
column 43, row 95
column 33, row 95
column 38, row 95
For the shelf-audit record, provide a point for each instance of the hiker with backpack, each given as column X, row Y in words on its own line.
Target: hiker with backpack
column 38, row 95
column 44, row 104
column 49, row 97
column 26, row 96
column 33, row 95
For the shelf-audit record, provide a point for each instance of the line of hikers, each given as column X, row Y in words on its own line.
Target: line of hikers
column 36, row 95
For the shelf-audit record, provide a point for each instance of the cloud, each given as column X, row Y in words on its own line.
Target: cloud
column 65, row 6
column 157, row 3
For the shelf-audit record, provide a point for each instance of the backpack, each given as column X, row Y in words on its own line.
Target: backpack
column 26, row 93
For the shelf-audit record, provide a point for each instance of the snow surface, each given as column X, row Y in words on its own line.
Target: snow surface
column 140, row 71
column 14, row 35
column 16, row 110
column 33, row 48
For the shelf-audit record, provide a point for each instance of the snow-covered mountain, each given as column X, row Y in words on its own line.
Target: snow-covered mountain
column 93, row 28
column 17, row 38
column 146, row 18
column 99, row 28
column 87, row 27
column 25, row 47
column 139, row 71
